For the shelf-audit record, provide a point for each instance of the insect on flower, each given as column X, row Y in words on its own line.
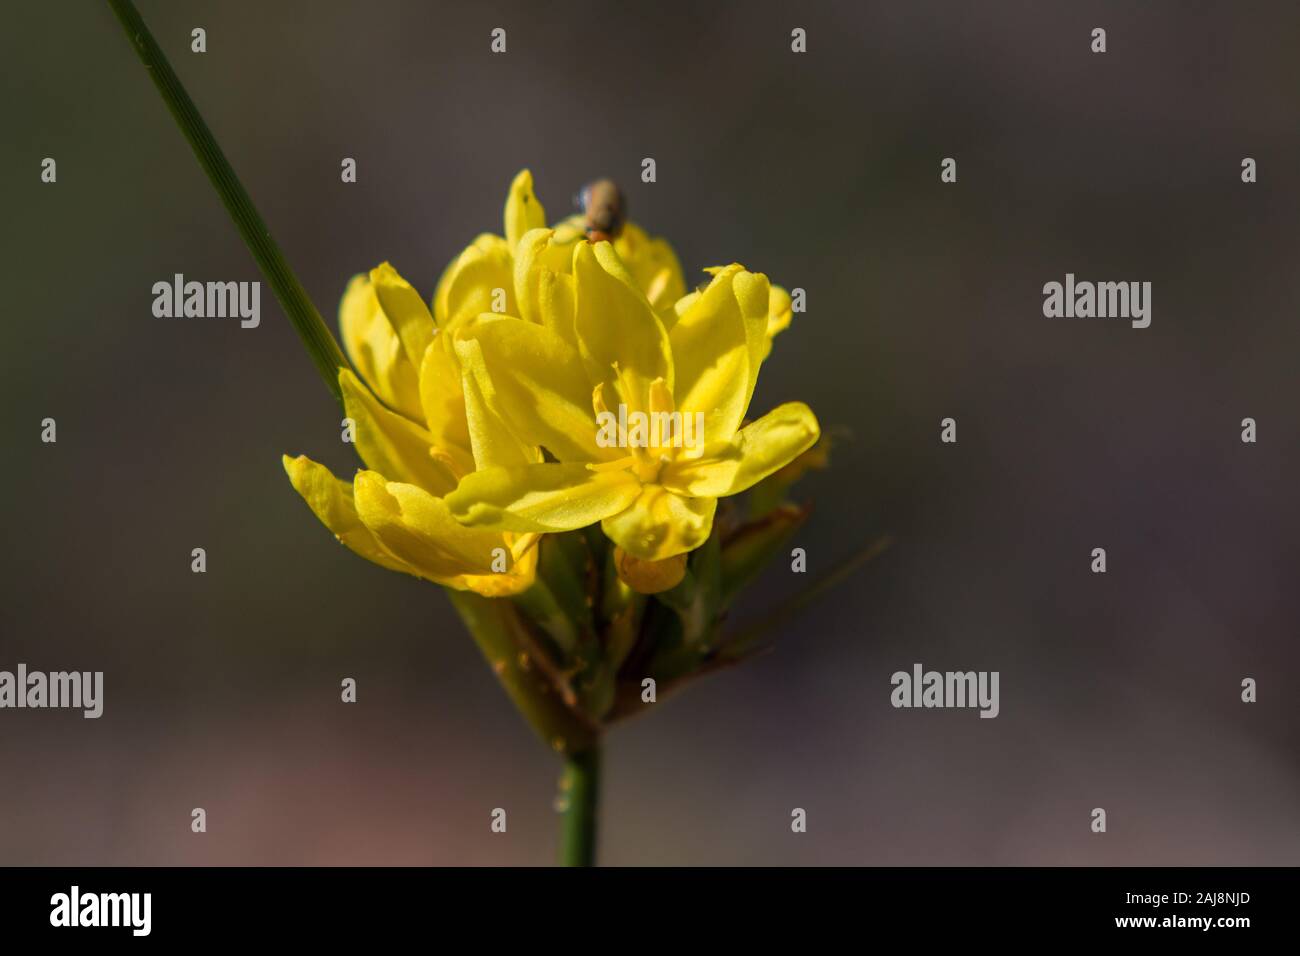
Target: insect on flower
column 604, row 209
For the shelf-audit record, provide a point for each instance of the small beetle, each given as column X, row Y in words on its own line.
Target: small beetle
column 604, row 208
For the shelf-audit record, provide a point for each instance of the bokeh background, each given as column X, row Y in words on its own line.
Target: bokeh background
column 924, row 301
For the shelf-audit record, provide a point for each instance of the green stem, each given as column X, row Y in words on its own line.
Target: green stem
column 580, row 800
column 495, row 626
column 316, row 336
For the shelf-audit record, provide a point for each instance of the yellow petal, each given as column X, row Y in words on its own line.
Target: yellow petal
column 758, row 449
column 661, row 524
column 649, row 577
column 717, row 345
column 389, row 443
column 543, row 497
column 711, row 474
column 331, row 500
column 443, row 400
column 571, row 230
column 405, row 310
column 779, row 314
column 754, row 293
column 417, row 527
column 544, row 281
column 772, row 442
column 376, row 350
column 516, row 580
column 523, row 211
column 469, row 284
column 492, row 441
column 615, row 325
column 536, row 384
column 653, row 266
column 679, row 308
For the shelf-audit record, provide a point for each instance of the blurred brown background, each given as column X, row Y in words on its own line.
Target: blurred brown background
column 1119, row 691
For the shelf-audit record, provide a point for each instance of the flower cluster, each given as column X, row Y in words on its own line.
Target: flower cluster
column 479, row 426
column 482, row 420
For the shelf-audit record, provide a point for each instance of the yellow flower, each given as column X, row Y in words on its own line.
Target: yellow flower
column 411, row 432
column 428, row 414
column 591, row 341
